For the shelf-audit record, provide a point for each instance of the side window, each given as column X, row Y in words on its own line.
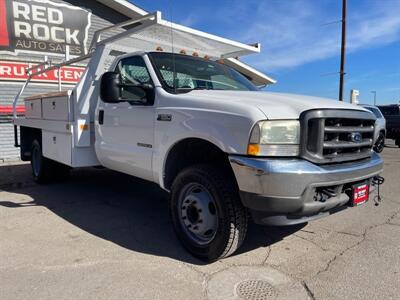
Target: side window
column 133, row 71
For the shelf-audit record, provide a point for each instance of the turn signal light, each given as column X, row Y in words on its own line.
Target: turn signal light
column 83, row 127
column 253, row 149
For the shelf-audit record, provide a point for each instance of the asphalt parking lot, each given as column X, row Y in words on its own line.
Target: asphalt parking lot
column 104, row 235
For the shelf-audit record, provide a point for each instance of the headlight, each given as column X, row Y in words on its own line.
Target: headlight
column 275, row 138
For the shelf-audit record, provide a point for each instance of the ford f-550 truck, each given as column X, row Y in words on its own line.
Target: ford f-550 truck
column 172, row 114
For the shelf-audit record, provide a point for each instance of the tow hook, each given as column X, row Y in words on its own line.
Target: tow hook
column 377, row 181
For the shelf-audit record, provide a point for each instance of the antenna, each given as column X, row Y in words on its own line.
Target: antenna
column 172, row 49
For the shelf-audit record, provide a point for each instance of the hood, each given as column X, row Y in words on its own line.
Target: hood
column 273, row 105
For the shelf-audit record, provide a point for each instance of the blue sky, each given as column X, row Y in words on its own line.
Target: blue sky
column 298, row 49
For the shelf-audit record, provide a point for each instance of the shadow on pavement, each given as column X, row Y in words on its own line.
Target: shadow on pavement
column 391, row 146
column 121, row 209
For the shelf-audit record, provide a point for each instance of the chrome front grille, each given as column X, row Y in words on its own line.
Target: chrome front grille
column 337, row 135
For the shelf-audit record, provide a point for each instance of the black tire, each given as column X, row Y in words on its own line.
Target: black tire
column 231, row 215
column 45, row 170
column 398, row 141
column 380, row 143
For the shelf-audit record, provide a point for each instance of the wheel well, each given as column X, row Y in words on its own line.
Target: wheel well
column 189, row 152
column 27, row 136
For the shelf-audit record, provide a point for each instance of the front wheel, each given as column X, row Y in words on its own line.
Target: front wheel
column 380, row 143
column 207, row 213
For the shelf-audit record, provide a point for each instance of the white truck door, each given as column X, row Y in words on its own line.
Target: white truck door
column 127, row 130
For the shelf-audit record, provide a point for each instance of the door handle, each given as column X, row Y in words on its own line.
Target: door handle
column 101, row 117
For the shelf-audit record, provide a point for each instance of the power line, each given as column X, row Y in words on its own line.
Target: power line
column 330, row 23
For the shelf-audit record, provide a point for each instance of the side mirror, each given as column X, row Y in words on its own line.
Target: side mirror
column 110, row 87
column 112, row 90
column 150, row 93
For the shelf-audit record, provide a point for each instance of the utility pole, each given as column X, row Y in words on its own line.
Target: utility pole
column 343, row 50
column 374, row 92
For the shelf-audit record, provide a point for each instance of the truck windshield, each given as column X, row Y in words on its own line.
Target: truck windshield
column 375, row 111
column 193, row 73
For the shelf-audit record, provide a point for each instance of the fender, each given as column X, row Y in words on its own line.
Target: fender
column 228, row 131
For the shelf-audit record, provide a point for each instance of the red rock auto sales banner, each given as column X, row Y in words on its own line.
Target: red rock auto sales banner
column 43, row 26
column 16, row 71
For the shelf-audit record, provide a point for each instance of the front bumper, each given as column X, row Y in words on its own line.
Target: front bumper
column 284, row 191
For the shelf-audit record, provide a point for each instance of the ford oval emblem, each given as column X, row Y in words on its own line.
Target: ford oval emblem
column 356, row 137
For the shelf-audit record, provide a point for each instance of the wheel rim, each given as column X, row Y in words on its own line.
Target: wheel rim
column 36, row 158
column 380, row 144
column 198, row 213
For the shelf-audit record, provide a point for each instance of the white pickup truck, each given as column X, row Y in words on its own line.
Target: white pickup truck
column 202, row 131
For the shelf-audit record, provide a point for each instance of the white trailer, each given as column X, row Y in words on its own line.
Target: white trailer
column 155, row 103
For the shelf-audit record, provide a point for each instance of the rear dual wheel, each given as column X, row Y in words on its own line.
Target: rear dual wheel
column 45, row 170
column 207, row 213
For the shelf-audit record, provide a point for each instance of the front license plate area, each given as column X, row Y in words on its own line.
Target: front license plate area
column 360, row 193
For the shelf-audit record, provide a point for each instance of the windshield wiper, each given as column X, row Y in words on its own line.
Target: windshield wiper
column 200, row 88
column 193, row 89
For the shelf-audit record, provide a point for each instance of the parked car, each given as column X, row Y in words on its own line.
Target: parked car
column 204, row 133
column 392, row 115
column 380, row 127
